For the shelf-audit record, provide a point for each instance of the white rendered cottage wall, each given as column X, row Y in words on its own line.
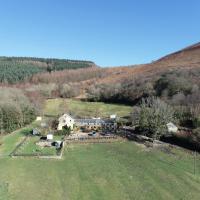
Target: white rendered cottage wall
column 66, row 120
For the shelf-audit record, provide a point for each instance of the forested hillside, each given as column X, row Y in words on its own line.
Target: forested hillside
column 16, row 69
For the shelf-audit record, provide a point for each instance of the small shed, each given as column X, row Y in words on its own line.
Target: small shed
column 50, row 137
column 35, row 132
column 113, row 116
column 172, row 128
column 38, row 118
column 58, row 144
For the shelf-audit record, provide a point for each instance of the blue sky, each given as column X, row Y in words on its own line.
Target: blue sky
column 108, row 32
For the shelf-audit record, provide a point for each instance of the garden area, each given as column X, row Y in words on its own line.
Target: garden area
column 23, row 143
column 30, row 147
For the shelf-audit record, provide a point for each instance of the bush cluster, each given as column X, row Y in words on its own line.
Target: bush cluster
column 65, row 131
column 153, row 117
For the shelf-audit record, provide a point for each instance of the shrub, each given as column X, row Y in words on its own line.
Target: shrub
column 172, row 84
column 45, row 90
column 11, row 117
column 68, row 91
column 54, row 124
column 154, row 116
column 196, row 135
column 65, row 131
column 135, row 115
column 183, row 115
column 196, row 122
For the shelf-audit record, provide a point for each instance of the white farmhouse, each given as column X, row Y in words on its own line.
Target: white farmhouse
column 65, row 120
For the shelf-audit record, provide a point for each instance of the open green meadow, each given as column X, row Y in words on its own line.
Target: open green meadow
column 102, row 171
column 79, row 108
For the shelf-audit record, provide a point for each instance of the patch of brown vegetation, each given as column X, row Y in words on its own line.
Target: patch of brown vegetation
column 185, row 59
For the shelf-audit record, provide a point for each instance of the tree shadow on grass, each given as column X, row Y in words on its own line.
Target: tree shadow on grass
column 26, row 131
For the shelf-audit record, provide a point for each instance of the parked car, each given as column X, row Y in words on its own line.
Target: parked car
column 92, row 133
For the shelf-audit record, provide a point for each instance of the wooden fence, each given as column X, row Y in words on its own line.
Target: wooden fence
column 16, row 154
column 107, row 139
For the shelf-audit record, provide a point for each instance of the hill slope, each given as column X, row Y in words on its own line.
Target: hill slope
column 185, row 59
column 189, row 56
column 176, row 73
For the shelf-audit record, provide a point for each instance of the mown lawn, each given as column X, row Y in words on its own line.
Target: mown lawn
column 79, row 108
column 115, row 171
column 9, row 142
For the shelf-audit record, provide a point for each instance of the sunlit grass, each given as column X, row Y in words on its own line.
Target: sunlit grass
column 56, row 107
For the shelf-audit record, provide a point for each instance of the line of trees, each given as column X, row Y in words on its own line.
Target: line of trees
column 16, row 110
column 71, row 75
column 177, row 87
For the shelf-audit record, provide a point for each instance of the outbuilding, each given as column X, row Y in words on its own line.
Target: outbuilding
column 113, row 116
column 50, row 137
column 172, row 128
column 58, row 144
column 38, row 118
column 35, row 132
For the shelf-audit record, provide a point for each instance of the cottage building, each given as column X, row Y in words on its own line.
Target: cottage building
column 91, row 124
column 66, row 120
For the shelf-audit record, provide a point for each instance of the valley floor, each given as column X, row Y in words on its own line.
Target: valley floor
column 115, row 171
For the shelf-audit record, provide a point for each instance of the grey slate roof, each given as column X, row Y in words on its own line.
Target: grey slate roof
column 93, row 121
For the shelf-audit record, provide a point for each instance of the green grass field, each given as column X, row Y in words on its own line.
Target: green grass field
column 56, row 107
column 8, row 142
column 116, row 171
